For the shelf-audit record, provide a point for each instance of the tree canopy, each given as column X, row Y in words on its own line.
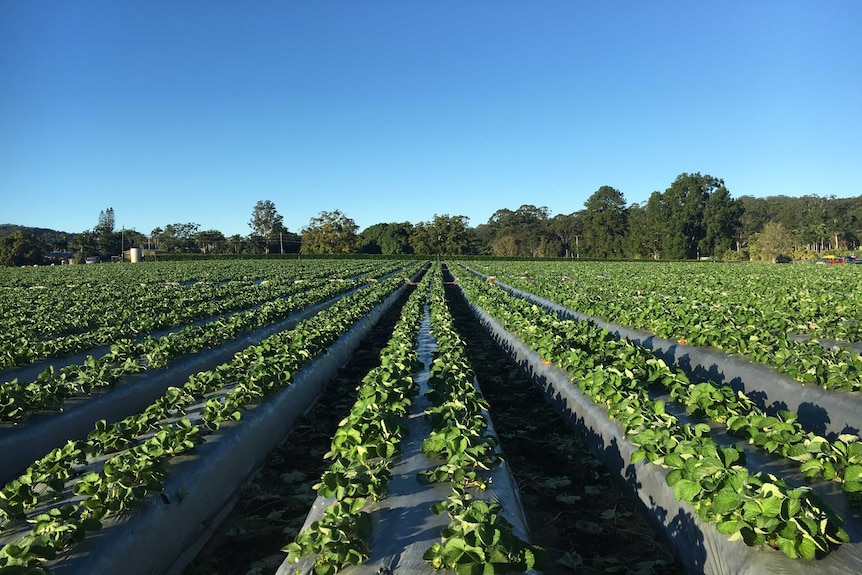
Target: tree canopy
column 444, row 234
column 330, row 233
column 266, row 223
column 605, row 223
column 21, row 248
column 772, row 243
column 388, row 239
column 695, row 216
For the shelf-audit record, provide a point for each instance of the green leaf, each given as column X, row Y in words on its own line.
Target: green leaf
column 729, row 527
column 811, row 468
column 726, row 500
column 771, row 506
column 853, row 473
column 787, row 546
column 806, row 548
column 673, row 460
column 686, row 490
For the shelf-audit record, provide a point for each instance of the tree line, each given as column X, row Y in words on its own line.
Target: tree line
column 695, row 217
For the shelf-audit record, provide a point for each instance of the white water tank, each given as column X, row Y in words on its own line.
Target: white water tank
column 134, row 255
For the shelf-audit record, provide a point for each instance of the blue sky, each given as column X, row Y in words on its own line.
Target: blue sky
column 396, row 111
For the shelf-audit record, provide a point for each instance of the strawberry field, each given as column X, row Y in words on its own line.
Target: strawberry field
column 712, row 410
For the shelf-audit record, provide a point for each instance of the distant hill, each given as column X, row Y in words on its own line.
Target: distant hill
column 47, row 235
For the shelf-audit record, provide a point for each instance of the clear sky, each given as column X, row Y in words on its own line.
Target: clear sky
column 397, row 110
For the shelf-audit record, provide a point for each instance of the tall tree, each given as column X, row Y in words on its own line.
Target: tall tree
column 605, row 223
column 21, row 248
column 266, row 222
column 774, row 242
column 508, row 245
column 178, row 237
column 444, row 235
column 567, row 230
column 330, row 233
column 387, row 238
column 644, row 237
column 684, row 203
column 235, row 244
column 523, row 232
column 756, row 212
column 106, row 222
column 722, row 219
column 209, row 241
column 106, row 239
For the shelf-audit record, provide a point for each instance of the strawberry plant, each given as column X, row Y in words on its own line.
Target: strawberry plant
column 338, row 539
column 127, row 357
column 480, row 541
column 147, row 299
column 700, row 471
column 147, row 445
column 362, row 450
column 762, row 313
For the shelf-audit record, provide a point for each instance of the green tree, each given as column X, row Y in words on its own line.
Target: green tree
column 235, row 244
column 106, row 222
column 755, row 213
column 178, row 237
column 387, row 238
column 84, row 244
column 21, row 248
column 60, row 243
column 644, row 237
column 107, row 240
column 443, row 235
column 566, row 229
column 507, row 245
column 267, row 223
column 523, row 232
column 774, row 242
column 210, row 241
column 330, row 233
column 684, row 205
column 605, row 221
column 661, row 236
column 721, row 222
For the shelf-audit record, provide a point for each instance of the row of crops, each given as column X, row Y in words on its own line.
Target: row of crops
column 738, row 477
column 773, row 315
column 91, row 484
column 76, row 309
column 458, row 454
column 744, row 464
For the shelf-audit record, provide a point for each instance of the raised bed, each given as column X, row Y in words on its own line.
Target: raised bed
column 698, row 545
column 822, row 411
column 166, row 533
column 404, row 526
column 21, row 444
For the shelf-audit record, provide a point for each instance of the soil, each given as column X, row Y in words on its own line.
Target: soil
column 573, row 508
